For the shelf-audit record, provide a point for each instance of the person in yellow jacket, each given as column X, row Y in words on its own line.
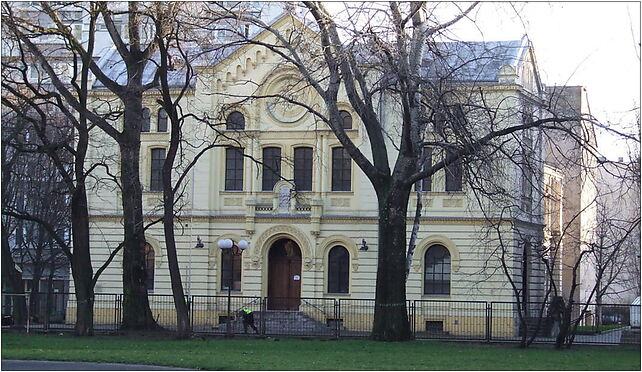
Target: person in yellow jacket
column 248, row 319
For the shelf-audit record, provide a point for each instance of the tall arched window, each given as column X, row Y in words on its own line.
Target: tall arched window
column 338, row 270
column 145, row 124
column 231, row 269
column 437, row 271
column 150, row 259
column 162, row 121
column 235, row 121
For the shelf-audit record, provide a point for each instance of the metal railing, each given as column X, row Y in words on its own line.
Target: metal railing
column 337, row 317
column 437, row 319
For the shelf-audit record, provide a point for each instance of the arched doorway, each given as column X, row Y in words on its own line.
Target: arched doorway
column 284, row 275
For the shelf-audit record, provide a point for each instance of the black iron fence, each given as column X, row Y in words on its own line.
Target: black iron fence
column 335, row 318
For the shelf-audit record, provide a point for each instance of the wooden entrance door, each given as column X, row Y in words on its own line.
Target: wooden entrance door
column 284, row 276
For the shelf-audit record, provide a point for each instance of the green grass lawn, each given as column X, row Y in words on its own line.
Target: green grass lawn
column 293, row 354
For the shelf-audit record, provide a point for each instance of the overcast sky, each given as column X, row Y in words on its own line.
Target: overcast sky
column 596, row 45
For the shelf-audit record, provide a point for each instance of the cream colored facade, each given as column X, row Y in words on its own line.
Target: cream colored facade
column 317, row 220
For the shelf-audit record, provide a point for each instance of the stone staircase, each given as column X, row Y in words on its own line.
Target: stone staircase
column 282, row 322
column 630, row 336
column 544, row 329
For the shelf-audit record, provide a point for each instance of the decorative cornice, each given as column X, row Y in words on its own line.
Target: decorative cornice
column 281, row 219
column 150, row 92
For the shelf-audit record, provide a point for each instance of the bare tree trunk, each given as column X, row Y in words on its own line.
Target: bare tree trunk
column 525, row 301
column 81, row 268
column 391, row 315
column 36, row 274
column 12, row 281
column 565, row 327
column 136, row 311
column 412, row 244
column 182, row 312
column 49, row 298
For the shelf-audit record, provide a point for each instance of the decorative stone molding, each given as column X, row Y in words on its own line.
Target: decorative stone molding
column 255, row 262
column 268, row 237
column 342, row 240
column 308, row 263
column 232, row 202
column 343, row 202
column 284, row 201
column 278, row 83
column 452, row 203
column 431, row 240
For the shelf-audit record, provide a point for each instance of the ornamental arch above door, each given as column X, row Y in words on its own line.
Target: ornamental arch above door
column 267, row 239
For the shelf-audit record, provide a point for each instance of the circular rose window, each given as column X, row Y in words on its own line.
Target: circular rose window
column 286, row 92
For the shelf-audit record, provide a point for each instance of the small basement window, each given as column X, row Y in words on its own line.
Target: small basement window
column 435, row 326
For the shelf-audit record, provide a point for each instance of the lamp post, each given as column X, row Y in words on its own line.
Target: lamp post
column 227, row 245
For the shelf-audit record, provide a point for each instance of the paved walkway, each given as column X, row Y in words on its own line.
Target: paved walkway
column 44, row 365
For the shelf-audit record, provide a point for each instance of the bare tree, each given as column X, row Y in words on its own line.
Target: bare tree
column 11, row 276
column 395, row 60
column 66, row 93
column 135, row 49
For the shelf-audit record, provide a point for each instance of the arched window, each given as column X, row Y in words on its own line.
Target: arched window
column 437, row 271
column 162, row 121
column 346, row 119
column 235, row 121
column 231, row 269
column 338, row 270
column 145, row 124
column 150, row 259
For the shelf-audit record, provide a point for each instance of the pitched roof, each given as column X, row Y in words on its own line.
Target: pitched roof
column 478, row 61
column 112, row 65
